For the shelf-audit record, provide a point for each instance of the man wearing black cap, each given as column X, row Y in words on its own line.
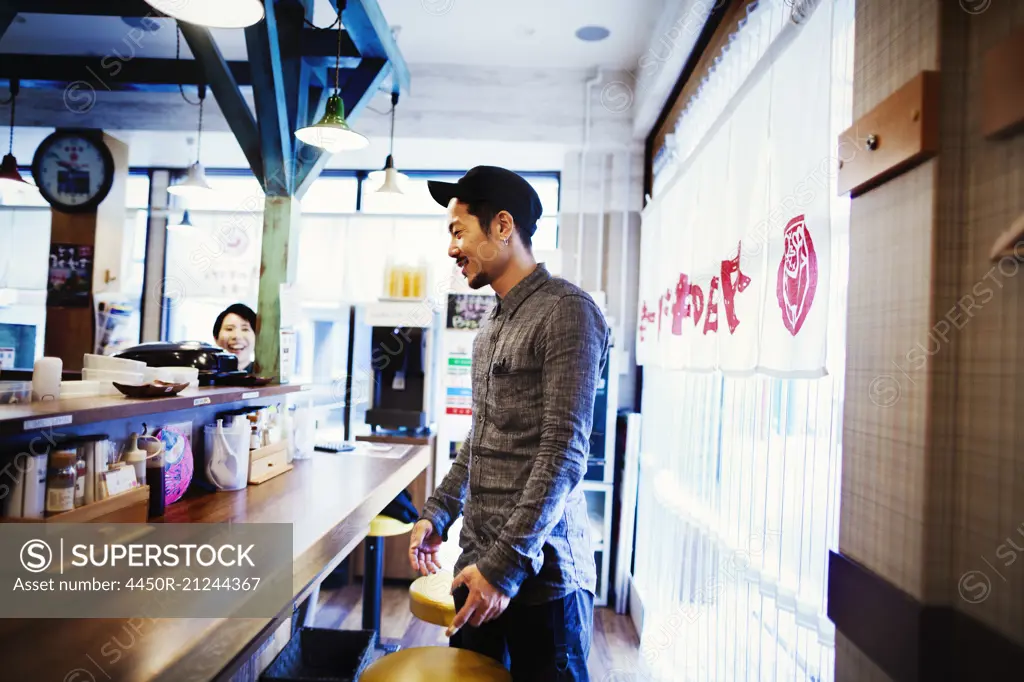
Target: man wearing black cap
column 525, row 581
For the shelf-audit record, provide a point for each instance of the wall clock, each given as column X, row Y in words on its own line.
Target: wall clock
column 74, row 170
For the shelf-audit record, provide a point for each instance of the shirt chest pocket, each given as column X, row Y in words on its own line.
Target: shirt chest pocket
column 515, row 392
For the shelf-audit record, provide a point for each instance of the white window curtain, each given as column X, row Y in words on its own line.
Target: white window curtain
column 739, row 483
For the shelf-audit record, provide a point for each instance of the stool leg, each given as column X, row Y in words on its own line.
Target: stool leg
column 373, row 579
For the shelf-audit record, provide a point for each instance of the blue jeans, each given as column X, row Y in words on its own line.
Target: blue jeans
column 538, row 643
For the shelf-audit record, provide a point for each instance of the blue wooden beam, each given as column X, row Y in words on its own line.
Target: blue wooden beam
column 263, row 42
column 358, row 86
column 107, row 8
column 372, row 36
column 138, row 74
column 6, row 17
column 229, row 96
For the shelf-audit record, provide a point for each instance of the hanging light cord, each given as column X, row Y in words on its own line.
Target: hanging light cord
column 337, row 64
column 394, row 101
column 394, row 104
column 177, row 57
column 15, row 89
column 337, row 22
column 199, row 135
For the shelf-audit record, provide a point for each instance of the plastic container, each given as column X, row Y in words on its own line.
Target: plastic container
column 227, row 454
column 322, row 655
column 46, row 379
column 109, row 376
column 80, row 389
column 111, row 364
column 15, row 392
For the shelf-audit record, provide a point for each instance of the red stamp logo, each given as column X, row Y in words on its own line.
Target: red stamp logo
column 798, row 275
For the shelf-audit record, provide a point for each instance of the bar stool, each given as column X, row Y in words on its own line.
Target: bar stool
column 430, row 599
column 435, row 664
column 373, row 570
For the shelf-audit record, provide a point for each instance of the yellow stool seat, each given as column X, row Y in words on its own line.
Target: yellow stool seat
column 385, row 526
column 435, row 664
column 430, row 599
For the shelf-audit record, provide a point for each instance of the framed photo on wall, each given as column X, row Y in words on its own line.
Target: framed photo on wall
column 69, row 283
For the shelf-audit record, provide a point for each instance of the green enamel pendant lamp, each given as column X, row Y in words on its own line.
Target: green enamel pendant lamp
column 332, row 132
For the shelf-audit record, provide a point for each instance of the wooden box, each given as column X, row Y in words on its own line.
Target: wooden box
column 128, row 507
column 268, row 462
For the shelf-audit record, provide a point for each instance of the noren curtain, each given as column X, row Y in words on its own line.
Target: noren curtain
column 739, row 477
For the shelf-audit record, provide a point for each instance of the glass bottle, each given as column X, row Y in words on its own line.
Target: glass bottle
column 60, row 482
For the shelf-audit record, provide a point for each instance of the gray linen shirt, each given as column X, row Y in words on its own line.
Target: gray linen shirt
column 536, row 364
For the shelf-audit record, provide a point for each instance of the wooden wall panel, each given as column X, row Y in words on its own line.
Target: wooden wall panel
column 69, row 331
column 885, row 429
column 989, row 475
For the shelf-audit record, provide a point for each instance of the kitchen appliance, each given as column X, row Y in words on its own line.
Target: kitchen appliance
column 214, row 364
column 403, row 358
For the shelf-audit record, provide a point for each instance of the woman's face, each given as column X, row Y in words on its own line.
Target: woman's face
column 237, row 336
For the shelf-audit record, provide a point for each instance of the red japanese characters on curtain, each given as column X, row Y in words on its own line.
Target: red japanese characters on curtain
column 736, row 248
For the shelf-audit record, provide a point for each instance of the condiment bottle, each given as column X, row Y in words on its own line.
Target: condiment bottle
column 80, row 477
column 155, row 479
column 137, row 458
column 60, row 482
column 254, row 437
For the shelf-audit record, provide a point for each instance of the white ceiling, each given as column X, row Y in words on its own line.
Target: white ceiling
column 526, row 33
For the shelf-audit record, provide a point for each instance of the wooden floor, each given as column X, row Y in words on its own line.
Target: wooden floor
column 613, row 655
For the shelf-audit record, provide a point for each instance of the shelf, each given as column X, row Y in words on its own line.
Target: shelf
column 18, row 419
column 131, row 506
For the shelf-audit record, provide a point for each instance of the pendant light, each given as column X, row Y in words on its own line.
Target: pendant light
column 390, row 179
column 331, row 133
column 183, row 225
column 195, row 184
column 212, row 13
column 10, row 178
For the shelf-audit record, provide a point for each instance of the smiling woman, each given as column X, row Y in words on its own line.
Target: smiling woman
column 235, row 332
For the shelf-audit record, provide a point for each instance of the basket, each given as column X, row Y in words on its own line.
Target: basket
column 322, row 655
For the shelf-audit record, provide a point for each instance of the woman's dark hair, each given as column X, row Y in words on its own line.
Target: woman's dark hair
column 240, row 309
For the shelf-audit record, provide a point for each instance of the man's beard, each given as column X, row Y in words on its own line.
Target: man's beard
column 479, row 280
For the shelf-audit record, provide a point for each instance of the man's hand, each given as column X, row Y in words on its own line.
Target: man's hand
column 423, row 548
column 485, row 602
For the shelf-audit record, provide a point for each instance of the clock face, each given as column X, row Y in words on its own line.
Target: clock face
column 74, row 171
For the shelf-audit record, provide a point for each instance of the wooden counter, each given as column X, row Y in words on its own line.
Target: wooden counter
column 329, row 499
column 19, row 419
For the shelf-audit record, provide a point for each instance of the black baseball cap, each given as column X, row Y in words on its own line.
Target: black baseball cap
column 499, row 187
